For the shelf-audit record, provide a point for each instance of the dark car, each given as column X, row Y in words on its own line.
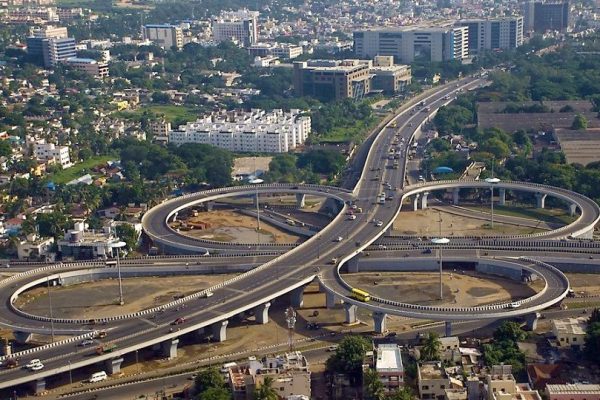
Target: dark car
column 427, row 251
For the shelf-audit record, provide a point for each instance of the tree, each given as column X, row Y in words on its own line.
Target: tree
column 215, row 393
column 401, row 394
column 128, row 234
column 431, row 348
column 509, row 331
column 579, row 122
column 372, row 385
column 592, row 337
column 349, row 356
column 52, row 224
column 266, row 391
column 208, row 379
column 5, row 149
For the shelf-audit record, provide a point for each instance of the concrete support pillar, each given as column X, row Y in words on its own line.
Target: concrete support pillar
column 330, row 301
column 448, row 331
column 352, row 265
column 540, row 200
column 113, row 366
column 169, row 348
column 209, row 205
column 455, row 196
column 175, row 216
column 297, row 297
column 22, row 337
column 219, row 331
column 350, row 313
column 379, row 322
column 38, row 386
column 416, row 202
column 424, row 200
column 300, row 198
column 501, row 196
column 262, row 313
column 572, row 209
column 531, row 321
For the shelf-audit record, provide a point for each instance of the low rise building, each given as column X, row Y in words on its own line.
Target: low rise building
column 569, row 332
column 35, row 248
column 279, row 50
column 50, row 152
column 501, row 385
column 432, row 381
column 90, row 66
column 388, row 365
column 255, row 131
column 575, row 391
column 290, row 374
column 81, row 243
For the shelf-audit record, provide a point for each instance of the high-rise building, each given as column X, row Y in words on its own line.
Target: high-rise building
column 494, row 34
column 240, row 26
column 542, row 16
column 551, row 16
column 408, row 44
column 165, row 35
column 51, row 45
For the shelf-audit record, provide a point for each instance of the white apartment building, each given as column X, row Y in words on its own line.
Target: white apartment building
column 166, row 36
column 255, row 131
column 280, row 50
column 494, row 34
column 240, row 26
column 408, row 44
column 50, row 152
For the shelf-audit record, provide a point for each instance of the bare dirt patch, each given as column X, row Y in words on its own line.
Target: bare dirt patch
column 99, row 299
column 585, row 284
column 426, row 223
column 230, row 226
column 469, row 289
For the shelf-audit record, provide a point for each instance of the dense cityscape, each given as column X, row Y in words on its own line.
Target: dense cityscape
column 300, row 199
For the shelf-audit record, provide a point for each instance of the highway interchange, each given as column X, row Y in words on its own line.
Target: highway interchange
column 288, row 273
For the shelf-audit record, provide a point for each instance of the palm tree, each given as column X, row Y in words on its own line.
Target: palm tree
column 265, row 391
column 431, row 348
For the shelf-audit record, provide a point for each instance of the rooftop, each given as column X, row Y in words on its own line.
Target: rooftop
column 431, row 370
column 388, row 358
column 574, row 388
column 573, row 326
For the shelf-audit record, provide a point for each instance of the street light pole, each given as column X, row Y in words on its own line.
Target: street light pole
column 256, row 182
column 492, row 182
column 441, row 241
column 121, row 300
column 50, row 306
column 70, row 374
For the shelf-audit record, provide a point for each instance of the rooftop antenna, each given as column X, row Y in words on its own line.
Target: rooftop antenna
column 290, row 318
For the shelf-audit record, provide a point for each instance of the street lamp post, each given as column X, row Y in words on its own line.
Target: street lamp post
column 50, row 306
column 118, row 245
column 492, row 182
column 70, row 374
column 257, row 182
column 441, row 241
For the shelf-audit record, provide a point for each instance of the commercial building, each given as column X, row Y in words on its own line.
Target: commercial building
column 51, row 45
column 569, row 332
column 89, row 66
column 576, row 391
column 388, row 365
column 342, row 79
column 239, row 26
column 542, row 16
column 280, row 50
column 49, row 152
column 290, row 374
column 80, row 243
column 493, row 34
column 255, row 131
column 388, row 77
column 30, row 14
column 408, row 44
column 165, row 35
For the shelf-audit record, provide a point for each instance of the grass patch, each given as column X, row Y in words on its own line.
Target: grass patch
column 67, row 175
column 170, row 112
column 346, row 134
column 550, row 215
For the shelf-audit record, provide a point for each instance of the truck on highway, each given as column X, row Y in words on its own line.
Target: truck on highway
column 395, row 166
column 106, row 348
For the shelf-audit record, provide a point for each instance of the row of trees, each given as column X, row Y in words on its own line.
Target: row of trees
column 305, row 167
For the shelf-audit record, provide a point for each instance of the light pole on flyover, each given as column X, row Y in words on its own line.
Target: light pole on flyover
column 492, row 182
column 441, row 241
column 256, row 182
column 118, row 245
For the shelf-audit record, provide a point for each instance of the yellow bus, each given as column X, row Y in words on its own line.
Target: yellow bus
column 360, row 295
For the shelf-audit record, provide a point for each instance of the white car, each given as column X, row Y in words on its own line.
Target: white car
column 36, row 367
column 33, row 362
column 352, row 217
column 339, row 239
column 379, row 223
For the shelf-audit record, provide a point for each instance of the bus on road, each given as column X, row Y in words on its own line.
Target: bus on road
column 360, row 295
